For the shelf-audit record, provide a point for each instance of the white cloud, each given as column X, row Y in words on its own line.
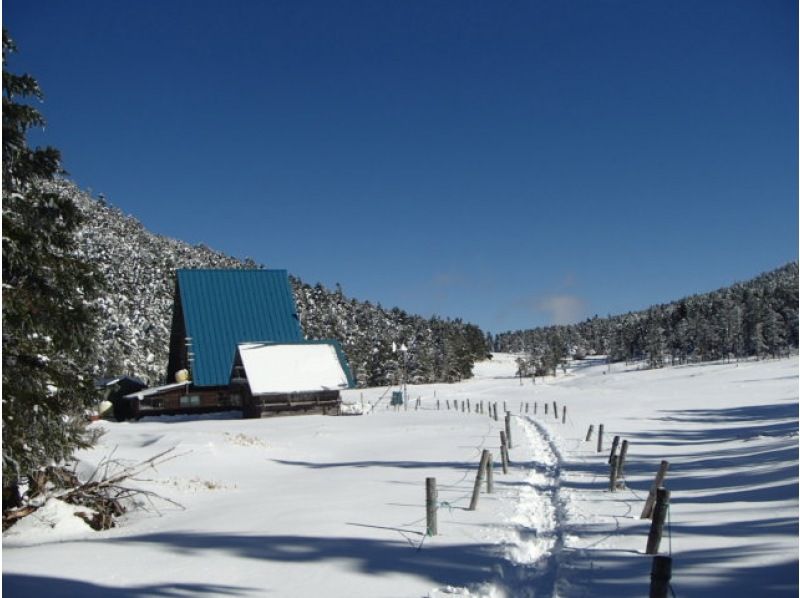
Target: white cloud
column 562, row 308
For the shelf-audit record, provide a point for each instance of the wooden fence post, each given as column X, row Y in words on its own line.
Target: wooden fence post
column 545, row 408
column 660, row 575
column 612, row 475
column 647, row 512
column 430, row 506
column 495, row 412
column 623, row 452
column 476, row 490
column 503, row 451
column 535, row 404
column 600, row 438
column 437, row 404
column 490, row 474
column 589, row 433
column 508, row 429
column 527, row 407
column 504, row 407
column 657, row 525
column 555, row 410
column 564, row 414
column 614, row 445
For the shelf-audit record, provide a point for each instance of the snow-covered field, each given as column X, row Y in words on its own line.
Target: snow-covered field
column 335, row 506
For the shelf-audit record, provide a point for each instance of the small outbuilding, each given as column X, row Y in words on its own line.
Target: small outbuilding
column 115, row 389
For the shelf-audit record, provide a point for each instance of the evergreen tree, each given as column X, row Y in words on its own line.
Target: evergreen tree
column 654, row 339
column 48, row 321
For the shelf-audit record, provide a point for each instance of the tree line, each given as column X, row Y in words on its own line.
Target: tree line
column 757, row 318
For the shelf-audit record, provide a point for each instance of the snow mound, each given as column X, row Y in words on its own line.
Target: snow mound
column 53, row 521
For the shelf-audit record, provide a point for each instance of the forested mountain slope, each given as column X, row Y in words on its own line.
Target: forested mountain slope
column 136, row 308
column 753, row 318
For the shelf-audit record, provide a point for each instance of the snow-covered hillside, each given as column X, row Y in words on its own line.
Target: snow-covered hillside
column 334, row 506
column 136, row 307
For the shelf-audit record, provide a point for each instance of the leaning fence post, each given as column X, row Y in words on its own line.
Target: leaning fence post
column 660, row 575
column 614, row 445
column 430, row 505
column 508, row 429
column 478, row 480
column 589, row 433
column 647, row 512
column 657, row 525
column 600, row 438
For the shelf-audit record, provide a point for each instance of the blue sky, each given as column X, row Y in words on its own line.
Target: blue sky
column 511, row 163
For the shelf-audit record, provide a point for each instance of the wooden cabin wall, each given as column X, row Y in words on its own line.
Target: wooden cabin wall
column 178, row 354
column 324, row 401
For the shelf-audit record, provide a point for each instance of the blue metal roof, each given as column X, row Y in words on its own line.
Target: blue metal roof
column 222, row 308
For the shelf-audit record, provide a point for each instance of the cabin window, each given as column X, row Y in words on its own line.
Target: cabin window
column 157, row 403
column 236, row 400
column 190, row 401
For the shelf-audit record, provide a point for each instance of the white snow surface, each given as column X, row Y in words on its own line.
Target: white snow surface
column 335, row 506
column 291, row 368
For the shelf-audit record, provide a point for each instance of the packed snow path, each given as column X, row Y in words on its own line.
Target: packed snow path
column 334, row 506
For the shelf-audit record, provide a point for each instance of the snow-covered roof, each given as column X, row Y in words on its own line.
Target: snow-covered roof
column 297, row 367
column 156, row 390
column 105, row 382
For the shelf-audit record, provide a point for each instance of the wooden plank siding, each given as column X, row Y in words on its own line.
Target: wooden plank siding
column 296, row 403
column 192, row 401
column 181, row 401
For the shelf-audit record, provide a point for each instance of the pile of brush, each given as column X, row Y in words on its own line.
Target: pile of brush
column 107, row 494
